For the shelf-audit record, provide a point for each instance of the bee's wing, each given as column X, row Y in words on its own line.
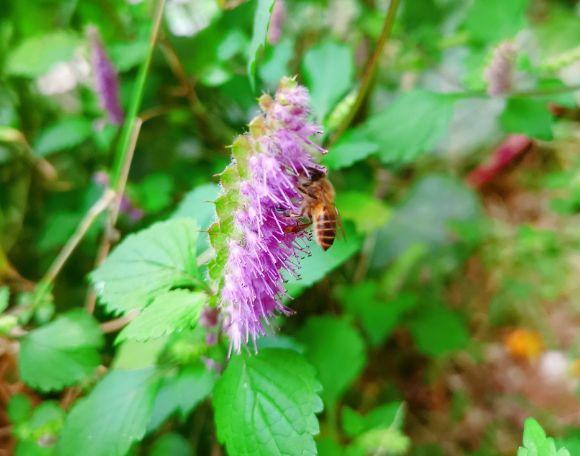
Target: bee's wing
column 339, row 224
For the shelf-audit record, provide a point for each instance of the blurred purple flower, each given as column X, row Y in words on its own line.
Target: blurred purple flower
column 105, row 78
column 499, row 72
column 277, row 22
column 281, row 151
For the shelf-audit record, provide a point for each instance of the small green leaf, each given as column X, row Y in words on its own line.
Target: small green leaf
column 537, row 443
column 329, row 71
column 61, row 353
column 490, row 21
column 154, row 192
column 64, row 134
column 438, row 331
column 113, row 416
column 261, row 23
column 365, row 211
column 4, row 298
column 337, row 352
column 265, row 404
column 383, row 416
column 527, row 116
column 384, row 441
column 38, row 54
column 275, row 66
column 352, row 147
column 412, row 125
column 19, row 408
column 171, row 444
column 127, row 55
column 169, row 312
column 147, row 264
column 181, row 393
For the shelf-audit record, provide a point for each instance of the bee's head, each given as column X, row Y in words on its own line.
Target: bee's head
column 316, row 173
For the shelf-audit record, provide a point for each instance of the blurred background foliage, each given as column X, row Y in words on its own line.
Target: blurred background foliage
column 447, row 315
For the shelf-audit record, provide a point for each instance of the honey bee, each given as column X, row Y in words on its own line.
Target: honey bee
column 318, row 207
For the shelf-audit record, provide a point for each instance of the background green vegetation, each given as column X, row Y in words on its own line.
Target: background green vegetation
column 447, row 315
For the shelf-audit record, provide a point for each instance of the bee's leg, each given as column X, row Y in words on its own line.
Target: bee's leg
column 297, row 228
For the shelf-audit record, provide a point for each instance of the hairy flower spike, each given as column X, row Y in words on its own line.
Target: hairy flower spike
column 105, row 78
column 499, row 72
column 262, row 181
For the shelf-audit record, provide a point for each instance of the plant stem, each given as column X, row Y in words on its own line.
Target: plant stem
column 102, row 203
column 131, row 121
column 369, row 71
column 119, row 323
column 126, row 147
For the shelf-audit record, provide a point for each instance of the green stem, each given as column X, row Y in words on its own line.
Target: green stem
column 131, row 122
column 369, row 71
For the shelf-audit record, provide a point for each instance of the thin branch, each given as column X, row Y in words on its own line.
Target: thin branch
column 369, row 71
column 102, row 203
column 119, row 323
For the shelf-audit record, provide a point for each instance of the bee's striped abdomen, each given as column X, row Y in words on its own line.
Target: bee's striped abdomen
column 325, row 229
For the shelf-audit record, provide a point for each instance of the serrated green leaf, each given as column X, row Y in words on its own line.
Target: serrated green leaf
column 181, row 393
column 260, row 31
column 352, row 147
column 537, row 443
column 527, row 116
column 38, row 54
column 328, row 71
column 113, row 416
column 412, row 125
column 266, row 403
column 490, row 21
column 171, row 444
column 60, row 353
column 169, row 312
column 438, row 331
column 337, row 352
column 147, row 264
column 64, row 134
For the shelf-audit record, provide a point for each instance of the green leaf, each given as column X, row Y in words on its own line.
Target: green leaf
column 64, row 134
column 536, row 443
column 36, row 55
column 154, row 192
column 266, row 403
column 19, row 408
column 128, row 55
column 61, row 353
column 133, row 354
column 387, row 441
column 337, row 352
column 412, row 125
column 386, row 415
column 313, row 268
column 438, row 331
column 352, row 147
column 171, row 444
column 147, row 264
column 113, row 416
column 275, row 66
column 4, row 298
column 490, row 21
column 38, row 434
column 328, row 71
column 378, row 316
column 527, row 116
column 198, row 204
column 170, row 312
column 181, row 393
column 365, row 211
column 424, row 218
column 259, row 34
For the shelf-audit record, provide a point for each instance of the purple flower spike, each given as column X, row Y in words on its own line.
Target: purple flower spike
column 105, row 78
column 499, row 72
column 277, row 20
column 264, row 244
